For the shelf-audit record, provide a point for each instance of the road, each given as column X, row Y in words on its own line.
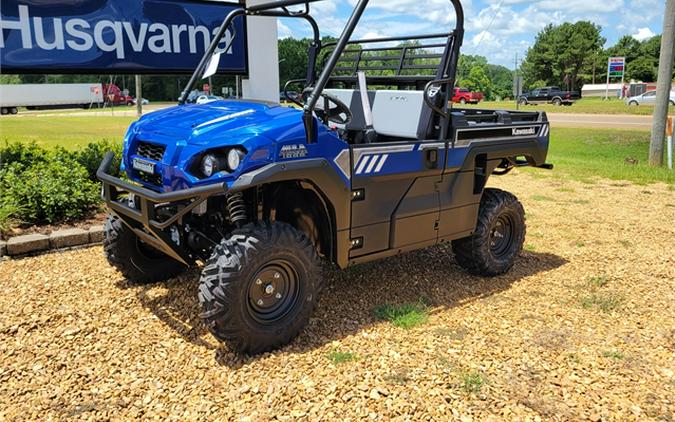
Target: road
column 601, row 121
column 597, row 121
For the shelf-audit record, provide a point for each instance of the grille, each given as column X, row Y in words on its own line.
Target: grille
column 153, row 179
column 151, row 151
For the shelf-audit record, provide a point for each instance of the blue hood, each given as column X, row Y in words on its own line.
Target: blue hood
column 199, row 124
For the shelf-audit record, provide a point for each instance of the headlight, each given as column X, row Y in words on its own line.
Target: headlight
column 234, row 159
column 210, row 165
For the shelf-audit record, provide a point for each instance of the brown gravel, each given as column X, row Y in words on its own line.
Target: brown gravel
column 582, row 328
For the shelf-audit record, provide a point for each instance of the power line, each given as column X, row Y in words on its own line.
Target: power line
column 482, row 35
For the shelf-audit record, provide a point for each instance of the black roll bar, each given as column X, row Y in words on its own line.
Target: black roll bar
column 266, row 9
column 279, row 9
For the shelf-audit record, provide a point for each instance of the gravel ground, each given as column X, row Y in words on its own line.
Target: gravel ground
column 582, row 328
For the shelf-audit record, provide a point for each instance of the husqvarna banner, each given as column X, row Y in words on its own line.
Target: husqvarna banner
column 116, row 36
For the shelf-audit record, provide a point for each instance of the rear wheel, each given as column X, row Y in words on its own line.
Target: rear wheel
column 136, row 261
column 498, row 238
column 260, row 286
column 522, row 101
column 4, row 111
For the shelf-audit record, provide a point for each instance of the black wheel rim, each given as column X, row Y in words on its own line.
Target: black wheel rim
column 273, row 292
column 501, row 236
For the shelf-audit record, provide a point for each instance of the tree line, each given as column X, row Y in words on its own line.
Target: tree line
column 573, row 54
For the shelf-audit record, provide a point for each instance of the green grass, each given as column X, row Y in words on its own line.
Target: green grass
column 603, row 301
column 583, row 106
column 472, row 382
column 613, row 355
column 405, row 316
column 338, row 357
column 65, row 131
column 584, row 154
column 598, row 281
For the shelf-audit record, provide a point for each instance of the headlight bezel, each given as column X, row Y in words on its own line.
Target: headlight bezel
column 219, row 162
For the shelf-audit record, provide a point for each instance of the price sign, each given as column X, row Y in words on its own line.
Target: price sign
column 617, row 67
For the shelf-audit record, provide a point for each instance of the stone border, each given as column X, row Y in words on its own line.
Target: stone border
column 61, row 239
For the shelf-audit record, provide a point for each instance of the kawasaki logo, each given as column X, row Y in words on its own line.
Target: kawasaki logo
column 523, row 131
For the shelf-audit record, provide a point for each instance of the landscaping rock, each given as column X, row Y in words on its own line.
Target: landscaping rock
column 21, row 245
column 96, row 234
column 3, row 248
column 68, row 237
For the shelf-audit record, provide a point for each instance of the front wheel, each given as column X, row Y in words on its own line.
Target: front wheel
column 557, row 102
column 137, row 261
column 633, row 103
column 498, row 238
column 462, row 101
column 260, row 286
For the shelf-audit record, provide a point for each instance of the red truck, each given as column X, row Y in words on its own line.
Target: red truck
column 463, row 96
column 112, row 94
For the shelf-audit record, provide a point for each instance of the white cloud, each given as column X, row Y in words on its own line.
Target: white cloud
column 643, row 34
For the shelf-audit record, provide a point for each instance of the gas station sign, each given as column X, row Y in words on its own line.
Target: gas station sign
column 617, row 67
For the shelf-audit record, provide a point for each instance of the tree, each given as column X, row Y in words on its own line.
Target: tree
column 479, row 81
column 642, row 69
column 292, row 59
column 502, row 81
column 467, row 62
column 562, row 54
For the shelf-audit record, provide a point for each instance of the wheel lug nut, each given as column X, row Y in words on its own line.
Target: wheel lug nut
column 278, row 296
column 260, row 302
column 277, row 275
column 258, row 282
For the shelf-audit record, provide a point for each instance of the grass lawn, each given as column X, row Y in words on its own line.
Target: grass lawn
column 583, row 154
column 578, row 153
column 583, row 106
column 68, row 132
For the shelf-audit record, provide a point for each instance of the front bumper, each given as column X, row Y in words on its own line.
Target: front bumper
column 143, row 218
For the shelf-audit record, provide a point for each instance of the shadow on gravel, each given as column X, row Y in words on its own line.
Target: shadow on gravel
column 349, row 296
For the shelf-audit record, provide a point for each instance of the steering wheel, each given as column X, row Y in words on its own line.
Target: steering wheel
column 339, row 114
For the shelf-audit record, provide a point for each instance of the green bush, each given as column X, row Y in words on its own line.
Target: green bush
column 25, row 154
column 92, row 154
column 49, row 192
column 45, row 186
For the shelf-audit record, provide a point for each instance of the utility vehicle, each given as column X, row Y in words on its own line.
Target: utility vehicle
column 260, row 193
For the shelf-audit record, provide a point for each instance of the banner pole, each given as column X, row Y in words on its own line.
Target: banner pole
column 669, row 134
column 607, row 88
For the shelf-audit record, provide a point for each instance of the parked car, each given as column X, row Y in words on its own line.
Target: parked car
column 203, row 99
column 549, row 95
column 144, row 101
column 464, row 96
column 649, row 98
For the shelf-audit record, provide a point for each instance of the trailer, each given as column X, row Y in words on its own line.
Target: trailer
column 34, row 96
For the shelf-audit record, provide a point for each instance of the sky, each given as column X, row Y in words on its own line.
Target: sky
column 496, row 29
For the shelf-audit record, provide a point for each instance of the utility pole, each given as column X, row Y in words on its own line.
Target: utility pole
column 663, row 85
column 139, row 96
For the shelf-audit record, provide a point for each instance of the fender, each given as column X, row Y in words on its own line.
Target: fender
column 325, row 180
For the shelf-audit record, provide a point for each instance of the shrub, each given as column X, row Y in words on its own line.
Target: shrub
column 90, row 157
column 48, row 192
column 26, row 154
column 8, row 217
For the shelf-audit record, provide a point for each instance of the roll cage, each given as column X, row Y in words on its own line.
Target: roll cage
column 442, row 82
